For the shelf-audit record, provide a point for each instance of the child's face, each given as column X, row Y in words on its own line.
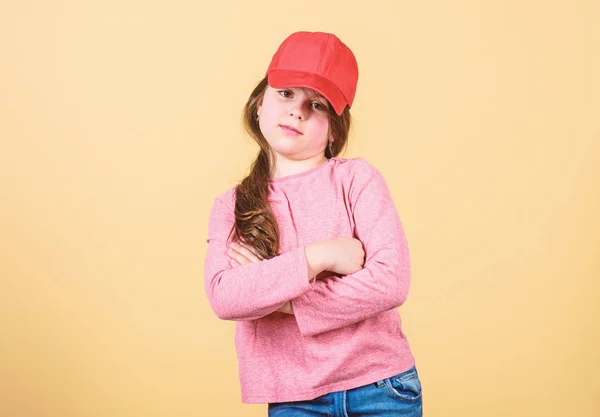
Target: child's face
column 295, row 122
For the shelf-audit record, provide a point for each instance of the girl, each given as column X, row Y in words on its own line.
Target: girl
column 308, row 254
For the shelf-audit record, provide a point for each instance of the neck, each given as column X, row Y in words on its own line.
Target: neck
column 285, row 166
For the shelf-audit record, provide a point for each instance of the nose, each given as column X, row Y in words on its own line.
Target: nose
column 297, row 111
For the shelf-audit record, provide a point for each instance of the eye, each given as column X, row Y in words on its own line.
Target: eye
column 317, row 106
column 285, row 93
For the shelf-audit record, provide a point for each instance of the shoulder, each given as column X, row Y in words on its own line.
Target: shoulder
column 362, row 180
column 225, row 200
column 356, row 169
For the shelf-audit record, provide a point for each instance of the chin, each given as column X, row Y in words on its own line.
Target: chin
column 289, row 154
column 286, row 148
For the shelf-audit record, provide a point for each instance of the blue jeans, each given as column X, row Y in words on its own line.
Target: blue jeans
column 399, row 395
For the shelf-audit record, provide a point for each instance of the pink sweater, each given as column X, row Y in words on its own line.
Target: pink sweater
column 346, row 330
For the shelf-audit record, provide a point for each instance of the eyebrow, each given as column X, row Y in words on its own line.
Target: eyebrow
column 313, row 92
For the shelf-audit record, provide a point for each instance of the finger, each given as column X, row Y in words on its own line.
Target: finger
column 241, row 259
column 241, row 246
column 234, row 263
column 246, row 251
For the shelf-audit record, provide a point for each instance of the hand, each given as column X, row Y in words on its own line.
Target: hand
column 242, row 254
column 286, row 308
column 345, row 254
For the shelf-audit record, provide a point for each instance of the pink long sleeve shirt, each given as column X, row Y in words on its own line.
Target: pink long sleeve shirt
column 346, row 330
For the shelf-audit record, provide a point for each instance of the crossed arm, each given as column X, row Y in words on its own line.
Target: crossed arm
column 241, row 254
column 241, row 286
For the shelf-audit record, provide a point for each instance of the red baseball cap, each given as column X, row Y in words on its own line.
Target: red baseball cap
column 319, row 61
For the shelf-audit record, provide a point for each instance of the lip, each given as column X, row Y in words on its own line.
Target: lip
column 290, row 130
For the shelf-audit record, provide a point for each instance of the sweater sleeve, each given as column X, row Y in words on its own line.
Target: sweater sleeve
column 253, row 290
column 383, row 282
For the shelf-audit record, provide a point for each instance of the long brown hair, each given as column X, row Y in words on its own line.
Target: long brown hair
column 255, row 223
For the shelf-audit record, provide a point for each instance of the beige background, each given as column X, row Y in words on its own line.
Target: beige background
column 119, row 124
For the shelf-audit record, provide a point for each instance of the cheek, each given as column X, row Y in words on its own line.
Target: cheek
column 268, row 113
column 320, row 128
column 265, row 119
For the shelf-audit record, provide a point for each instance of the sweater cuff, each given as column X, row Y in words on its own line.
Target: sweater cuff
column 306, row 323
column 301, row 271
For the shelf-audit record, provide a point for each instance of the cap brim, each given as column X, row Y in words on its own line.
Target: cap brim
column 290, row 78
